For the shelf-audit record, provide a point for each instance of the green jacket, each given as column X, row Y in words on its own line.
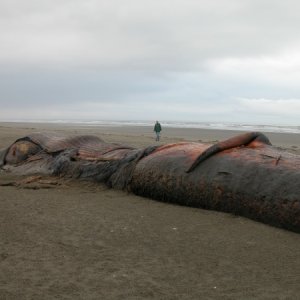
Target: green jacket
column 157, row 127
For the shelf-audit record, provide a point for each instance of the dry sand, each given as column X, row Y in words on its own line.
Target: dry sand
column 73, row 240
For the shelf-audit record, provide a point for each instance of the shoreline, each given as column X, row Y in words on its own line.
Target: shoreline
column 290, row 141
column 278, row 128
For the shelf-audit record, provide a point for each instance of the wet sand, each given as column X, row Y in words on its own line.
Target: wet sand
column 75, row 240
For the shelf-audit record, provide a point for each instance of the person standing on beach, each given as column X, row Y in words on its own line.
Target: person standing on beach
column 157, row 129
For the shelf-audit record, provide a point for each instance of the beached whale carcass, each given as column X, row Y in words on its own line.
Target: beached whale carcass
column 244, row 175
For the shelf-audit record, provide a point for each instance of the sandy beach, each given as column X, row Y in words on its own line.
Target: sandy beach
column 76, row 240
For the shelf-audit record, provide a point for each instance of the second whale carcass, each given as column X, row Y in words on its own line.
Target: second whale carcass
column 244, row 175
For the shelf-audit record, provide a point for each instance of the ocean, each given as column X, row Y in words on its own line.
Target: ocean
column 181, row 124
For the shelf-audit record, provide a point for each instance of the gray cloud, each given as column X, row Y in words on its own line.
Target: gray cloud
column 195, row 54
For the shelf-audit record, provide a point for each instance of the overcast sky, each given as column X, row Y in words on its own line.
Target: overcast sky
column 187, row 60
